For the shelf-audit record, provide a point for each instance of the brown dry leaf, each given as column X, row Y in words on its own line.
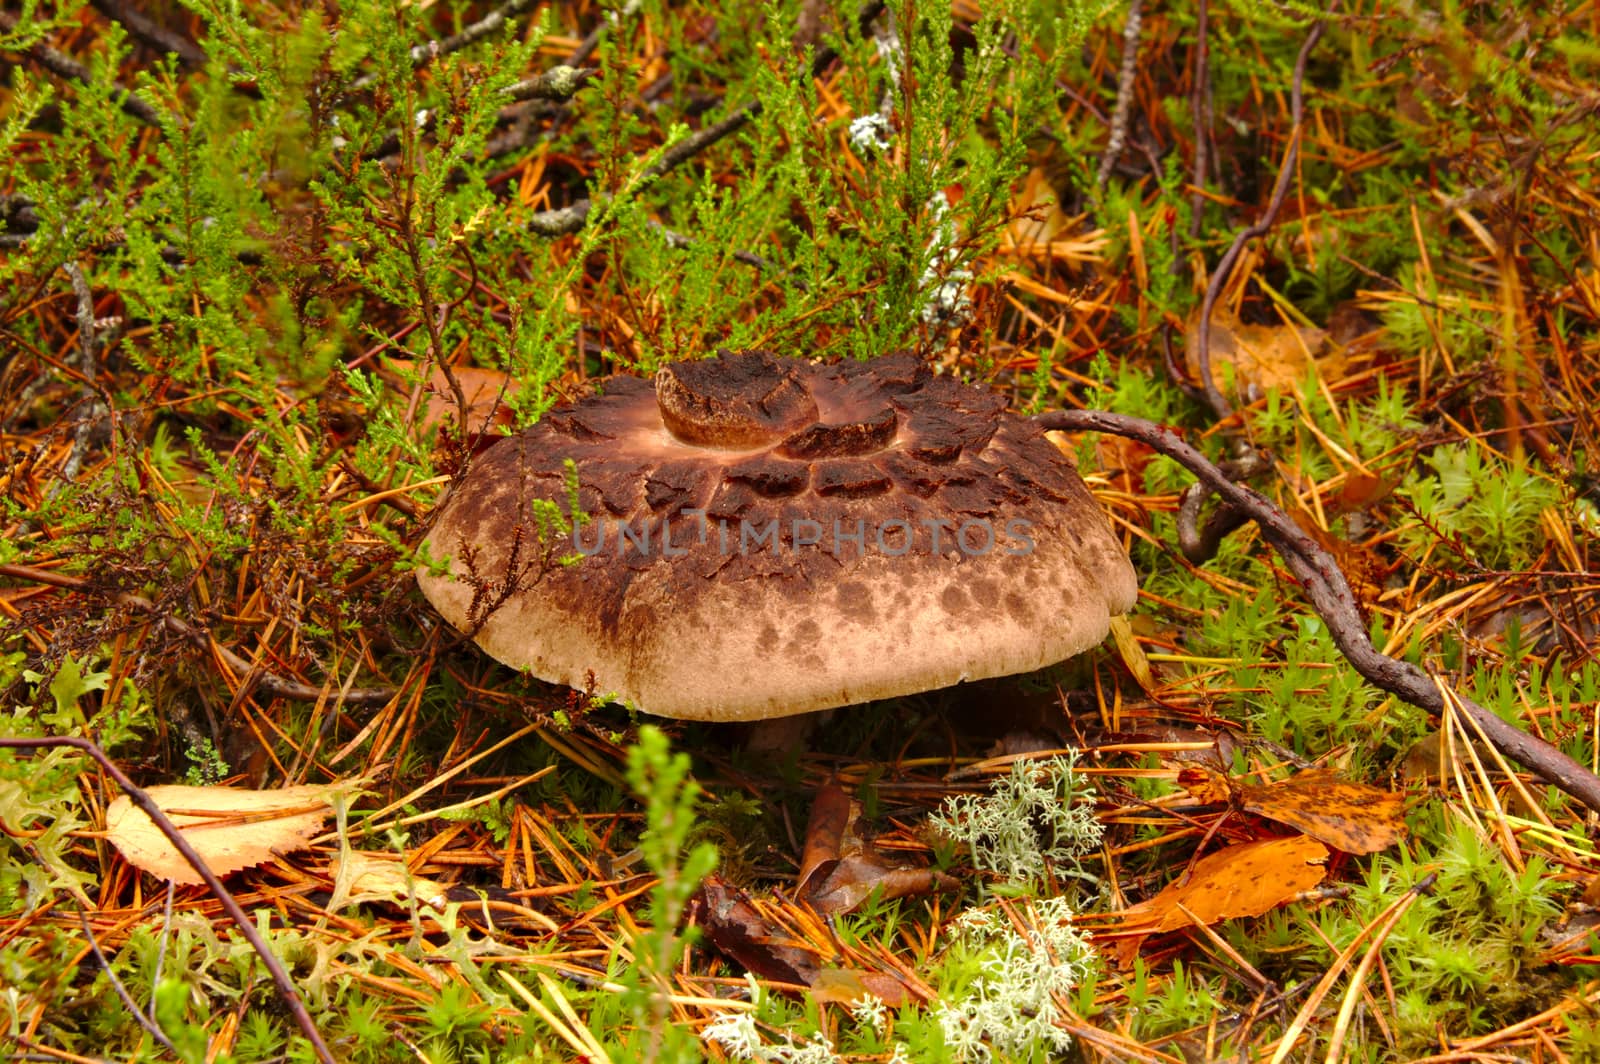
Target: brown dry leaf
column 1243, row 880
column 749, row 933
column 485, row 390
column 231, row 828
column 840, row 868
column 736, row 927
column 1263, row 357
column 1348, row 816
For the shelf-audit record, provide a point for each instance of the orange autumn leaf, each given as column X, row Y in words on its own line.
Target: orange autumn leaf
column 1348, row 816
column 1243, row 880
column 1205, row 785
column 484, row 389
column 1263, row 357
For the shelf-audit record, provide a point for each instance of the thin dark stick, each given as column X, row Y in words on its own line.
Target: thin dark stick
column 151, row 32
column 562, row 221
column 590, row 42
column 236, row 913
column 1330, row 594
column 147, row 1022
column 67, row 67
column 1219, row 277
column 87, row 337
column 557, row 83
column 272, row 685
column 1125, row 83
column 1200, row 113
column 424, row 54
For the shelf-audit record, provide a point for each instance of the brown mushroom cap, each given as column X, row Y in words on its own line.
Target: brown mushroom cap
column 770, row 536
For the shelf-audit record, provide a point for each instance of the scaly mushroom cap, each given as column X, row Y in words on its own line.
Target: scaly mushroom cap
column 769, row 536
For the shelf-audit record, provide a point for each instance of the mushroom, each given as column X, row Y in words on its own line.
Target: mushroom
column 763, row 536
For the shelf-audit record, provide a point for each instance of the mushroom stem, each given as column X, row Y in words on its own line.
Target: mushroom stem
column 1330, row 595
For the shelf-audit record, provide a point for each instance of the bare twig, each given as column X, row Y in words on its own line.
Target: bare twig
column 1330, row 594
column 65, row 66
column 147, row 1022
column 230, row 905
column 1200, row 114
column 86, row 366
column 590, row 42
column 1219, row 276
column 1125, row 82
column 272, row 685
column 423, row 54
column 557, row 83
column 570, row 219
column 677, row 240
column 151, row 32
column 1199, row 542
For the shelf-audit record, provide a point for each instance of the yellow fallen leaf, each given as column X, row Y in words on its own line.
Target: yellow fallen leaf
column 229, row 827
column 1263, row 357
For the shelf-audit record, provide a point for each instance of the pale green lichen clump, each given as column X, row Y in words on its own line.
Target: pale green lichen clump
column 1036, row 818
column 1010, row 1008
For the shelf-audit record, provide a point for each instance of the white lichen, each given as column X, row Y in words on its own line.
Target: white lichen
column 738, row 1037
column 1010, row 1008
column 871, row 1013
column 735, row 1033
column 1034, row 819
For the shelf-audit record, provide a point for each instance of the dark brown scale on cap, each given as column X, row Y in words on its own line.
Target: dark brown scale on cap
column 852, row 437
column 745, row 403
column 770, row 477
column 852, row 480
column 770, row 535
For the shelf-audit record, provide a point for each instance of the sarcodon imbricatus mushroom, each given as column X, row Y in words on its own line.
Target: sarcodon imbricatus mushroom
column 767, row 536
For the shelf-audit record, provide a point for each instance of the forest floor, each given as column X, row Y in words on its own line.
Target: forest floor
column 272, row 273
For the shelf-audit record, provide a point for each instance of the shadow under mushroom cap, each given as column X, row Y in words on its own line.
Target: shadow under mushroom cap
column 770, row 536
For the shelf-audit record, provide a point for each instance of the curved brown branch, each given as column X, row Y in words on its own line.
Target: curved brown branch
column 230, row 905
column 151, row 32
column 1330, row 594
